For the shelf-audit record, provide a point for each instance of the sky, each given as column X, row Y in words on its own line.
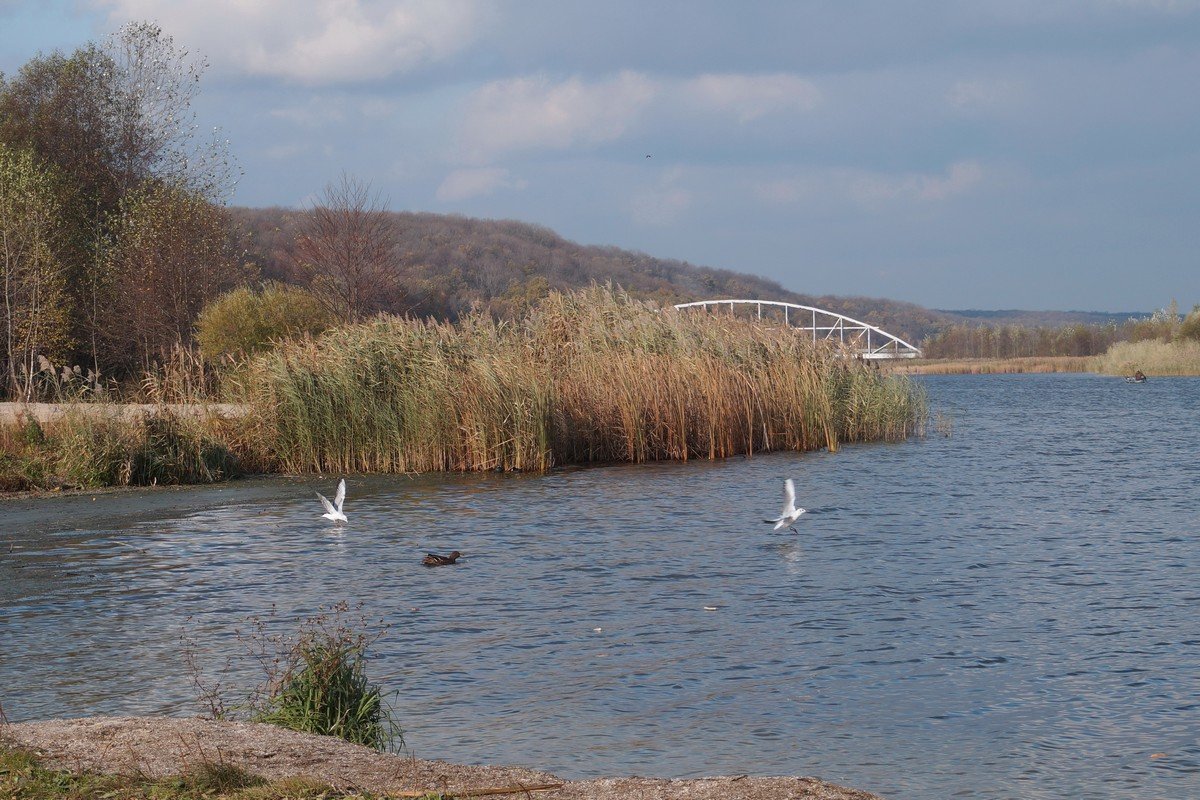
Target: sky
column 1037, row 154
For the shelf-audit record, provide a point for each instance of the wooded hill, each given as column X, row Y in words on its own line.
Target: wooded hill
column 450, row 264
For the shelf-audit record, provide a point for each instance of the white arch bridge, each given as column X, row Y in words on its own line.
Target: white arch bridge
column 865, row 339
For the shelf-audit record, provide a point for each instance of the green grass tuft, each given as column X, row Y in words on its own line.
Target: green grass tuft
column 322, row 686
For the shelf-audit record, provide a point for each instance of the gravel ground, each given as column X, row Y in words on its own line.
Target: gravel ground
column 156, row 747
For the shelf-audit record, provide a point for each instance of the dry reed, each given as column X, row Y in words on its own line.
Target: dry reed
column 993, row 366
column 1151, row 356
column 592, row 376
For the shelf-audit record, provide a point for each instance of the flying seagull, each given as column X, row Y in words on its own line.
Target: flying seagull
column 333, row 511
column 790, row 513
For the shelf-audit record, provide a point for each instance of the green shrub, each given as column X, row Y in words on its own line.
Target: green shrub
column 171, row 452
column 320, row 685
column 94, row 452
column 243, row 322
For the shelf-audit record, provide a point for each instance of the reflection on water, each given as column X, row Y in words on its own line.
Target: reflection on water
column 1008, row 612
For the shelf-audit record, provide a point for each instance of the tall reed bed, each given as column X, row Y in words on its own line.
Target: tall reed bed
column 592, row 376
column 1153, row 357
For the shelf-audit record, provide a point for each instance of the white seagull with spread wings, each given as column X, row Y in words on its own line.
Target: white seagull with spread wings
column 333, row 511
column 790, row 513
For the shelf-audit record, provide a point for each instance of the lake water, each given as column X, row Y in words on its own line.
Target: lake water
column 1010, row 611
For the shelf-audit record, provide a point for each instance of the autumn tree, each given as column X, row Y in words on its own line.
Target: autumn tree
column 32, row 279
column 346, row 249
column 114, row 120
column 172, row 254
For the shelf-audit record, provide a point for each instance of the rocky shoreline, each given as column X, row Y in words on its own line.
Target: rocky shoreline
column 159, row 746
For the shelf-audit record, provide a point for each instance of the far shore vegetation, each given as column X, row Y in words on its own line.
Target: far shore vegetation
column 1164, row 344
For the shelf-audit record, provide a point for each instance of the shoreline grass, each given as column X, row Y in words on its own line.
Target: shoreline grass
column 92, row 451
column 591, row 377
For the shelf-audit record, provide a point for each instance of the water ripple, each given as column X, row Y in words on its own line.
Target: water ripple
column 1007, row 612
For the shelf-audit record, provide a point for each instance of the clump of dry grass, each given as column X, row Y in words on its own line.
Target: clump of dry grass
column 592, row 376
column 88, row 450
column 1151, row 356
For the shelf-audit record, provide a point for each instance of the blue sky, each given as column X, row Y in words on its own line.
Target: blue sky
column 986, row 154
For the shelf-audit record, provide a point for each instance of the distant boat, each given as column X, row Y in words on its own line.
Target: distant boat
column 1137, row 377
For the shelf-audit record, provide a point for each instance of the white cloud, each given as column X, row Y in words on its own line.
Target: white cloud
column 312, row 41
column 330, row 109
column 782, row 191
column 532, row 113
column 463, row 184
column 752, row 96
column 314, row 114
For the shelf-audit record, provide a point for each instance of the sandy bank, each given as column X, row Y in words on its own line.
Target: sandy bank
column 157, row 747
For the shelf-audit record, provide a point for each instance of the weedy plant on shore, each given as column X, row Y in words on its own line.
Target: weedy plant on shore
column 314, row 680
column 591, row 376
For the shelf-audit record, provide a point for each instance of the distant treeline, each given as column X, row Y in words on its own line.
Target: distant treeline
column 1019, row 341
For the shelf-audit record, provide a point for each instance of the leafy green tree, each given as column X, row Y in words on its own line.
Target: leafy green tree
column 32, row 279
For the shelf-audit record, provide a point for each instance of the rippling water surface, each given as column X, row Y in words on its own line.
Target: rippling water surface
column 1010, row 611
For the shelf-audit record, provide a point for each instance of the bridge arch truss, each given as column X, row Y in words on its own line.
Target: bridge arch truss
column 866, row 340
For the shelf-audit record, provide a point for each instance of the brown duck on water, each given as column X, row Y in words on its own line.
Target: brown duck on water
column 434, row 560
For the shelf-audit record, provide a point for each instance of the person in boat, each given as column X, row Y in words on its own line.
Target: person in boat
column 1138, row 375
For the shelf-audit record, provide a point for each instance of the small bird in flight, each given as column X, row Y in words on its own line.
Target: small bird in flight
column 647, row 155
column 333, row 511
column 790, row 513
